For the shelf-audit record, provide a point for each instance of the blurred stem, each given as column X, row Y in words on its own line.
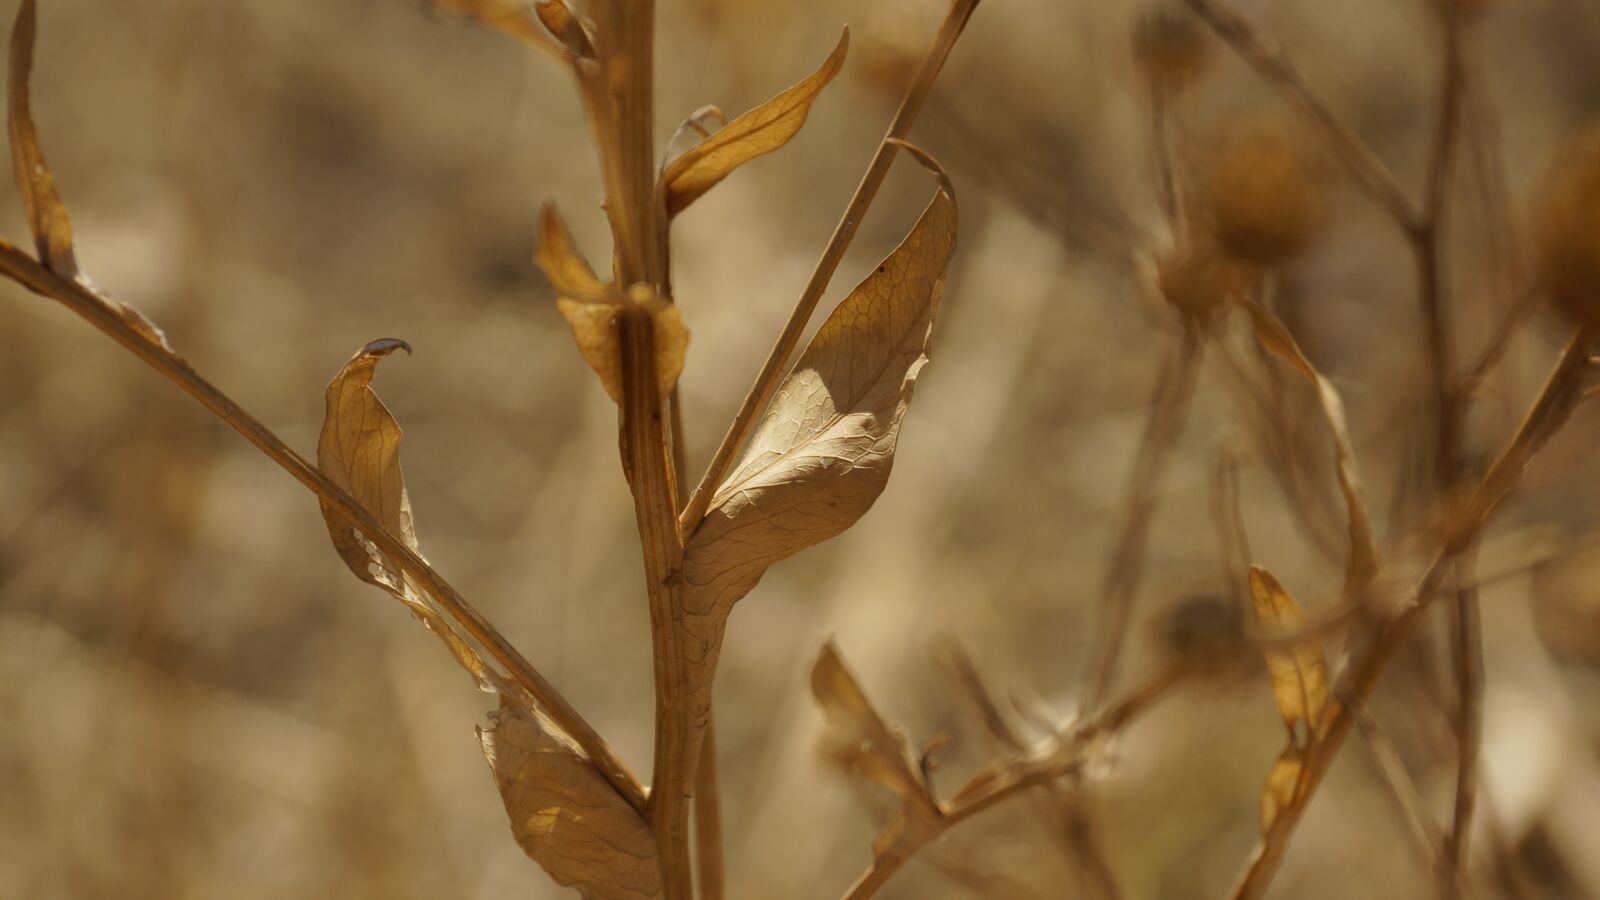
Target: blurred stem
column 18, row 266
column 1560, row 395
column 773, row 369
column 1164, row 422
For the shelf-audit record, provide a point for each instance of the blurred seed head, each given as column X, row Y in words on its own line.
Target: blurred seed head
column 1170, row 47
column 1567, row 228
column 1259, row 194
column 1197, row 276
column 1204, row 634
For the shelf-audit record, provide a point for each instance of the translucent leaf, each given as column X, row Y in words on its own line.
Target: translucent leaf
column 1299, row 674
column 822, row 453
column 755, row 133
column 563, row 812
column 1283, row 781
column 857, row 736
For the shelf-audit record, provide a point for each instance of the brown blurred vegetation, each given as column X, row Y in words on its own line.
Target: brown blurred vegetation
column 196, row 702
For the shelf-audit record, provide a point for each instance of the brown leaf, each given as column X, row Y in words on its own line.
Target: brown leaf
column 1364, row 559
column 565, row 815
column 823, row 451
column 359, row 450
column 1282, row 786
column 565, row 26
column 47, row 216
column 1299, row 674
column 857, row 736
column 591, row 308
column 508, row 17
column 755, row 133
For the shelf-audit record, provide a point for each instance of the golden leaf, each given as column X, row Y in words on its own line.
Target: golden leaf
column 1363, row 564
column 822, row 453
column 591, row 308
column 1282, row 785
column 755, row 133
column 47, row 215
column 564, row 814
column 1299, row 674
column 359, row 450
column 857, row 736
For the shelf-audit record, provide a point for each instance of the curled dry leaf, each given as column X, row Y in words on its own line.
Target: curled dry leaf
column 755, row 133
column 859, row 739
column 1280, row 790
column 47, row 215
column 1299, row 674
column 591, row 308
column 564, row 814
column 1364, row 559
column 822, row 453
column 359, row 450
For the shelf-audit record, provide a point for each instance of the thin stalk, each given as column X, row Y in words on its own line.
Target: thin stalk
column 773, row 369
column 1561, row 393
column 708, row 820
column 1163, row 426
column 18, row 266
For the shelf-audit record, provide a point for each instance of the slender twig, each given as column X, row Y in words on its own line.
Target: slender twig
column 1268, row 59
column 18, row 266
column 1013, row 776
column 1561, row 393
column 773, row 369
column 1163, row 427
column 1404, row 791
column 708, row 820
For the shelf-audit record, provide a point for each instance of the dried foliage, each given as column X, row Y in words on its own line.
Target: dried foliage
column 1235, row 255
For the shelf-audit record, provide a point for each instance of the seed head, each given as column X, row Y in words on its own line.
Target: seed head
column 1258, row 193
column 1567, row 229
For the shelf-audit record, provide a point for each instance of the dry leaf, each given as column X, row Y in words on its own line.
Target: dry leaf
column 1299, row 674
column 1363, row 564
column 823, row 451
column 359, row 450
column 565, row 26
column 508, row 17
column 47, row 215
column 591, row 308
column 565, row 815
column 1282, row 784
column 755, row 133
column 857, row 736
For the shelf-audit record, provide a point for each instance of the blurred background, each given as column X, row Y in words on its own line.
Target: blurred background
column 198, row 701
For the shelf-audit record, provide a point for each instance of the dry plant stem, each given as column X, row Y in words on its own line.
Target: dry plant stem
column 1020, row 777
column 1401, row 787
column 708, row 820
column 1058, row 808
column 772, row 371
column 1164, row 424
column 1166, row 180
column 19, row 267
column 1561, row 393
column 1270, row 62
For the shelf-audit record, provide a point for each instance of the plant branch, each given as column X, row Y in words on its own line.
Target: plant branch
column 708, row 820
column 1559, row 396
column 772, row 371
column 18, row 266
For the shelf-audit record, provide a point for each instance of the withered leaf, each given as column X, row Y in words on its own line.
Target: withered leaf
column 1282, row 785
column 565, row 27
column 359, row 450
column 564, row 814
column 591, row 308
column 47, row 216
column 1275, row 337
column 857, row 736
column 1299, row 674
column 508, row 17
column 755, row 133
column 822, row 453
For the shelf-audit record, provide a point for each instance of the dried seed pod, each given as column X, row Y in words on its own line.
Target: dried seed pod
column 1567, row 229
column 1197, row 277
column 1170, row 47
column 1259, row 195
